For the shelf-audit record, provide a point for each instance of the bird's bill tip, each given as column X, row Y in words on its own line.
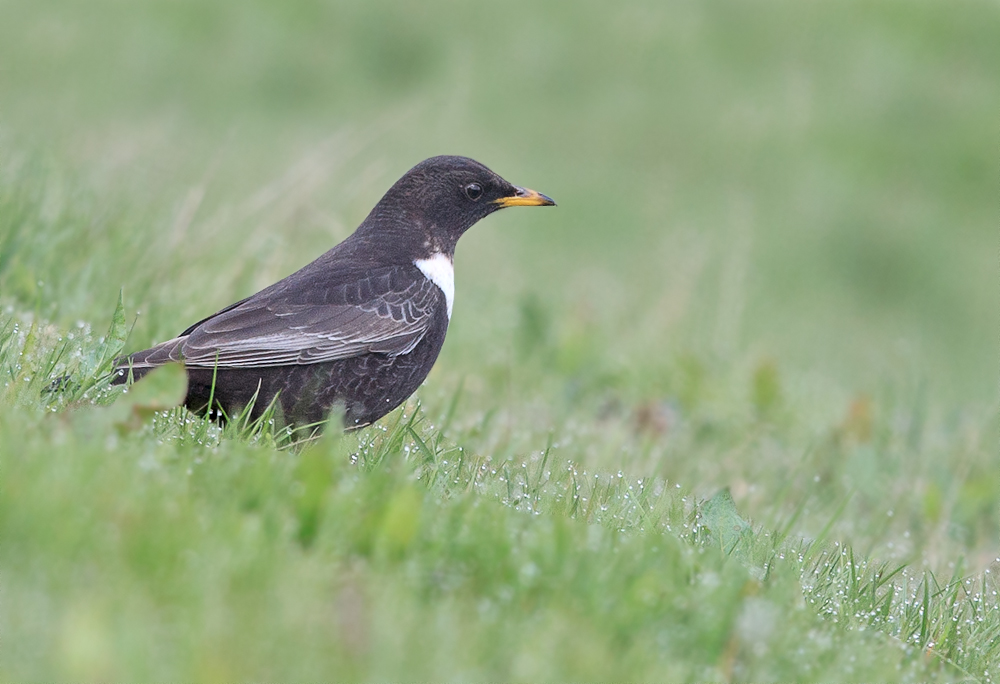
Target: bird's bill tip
column 526, row 197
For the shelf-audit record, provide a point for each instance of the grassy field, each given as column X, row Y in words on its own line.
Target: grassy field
column 729, row 412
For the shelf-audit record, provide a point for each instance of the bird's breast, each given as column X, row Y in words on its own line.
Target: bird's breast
column 439, row 269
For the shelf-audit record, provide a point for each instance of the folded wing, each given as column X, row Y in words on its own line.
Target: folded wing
column 386, row 311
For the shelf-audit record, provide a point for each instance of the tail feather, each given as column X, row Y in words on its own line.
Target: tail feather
column 141, row 362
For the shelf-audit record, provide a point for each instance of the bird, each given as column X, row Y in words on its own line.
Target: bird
column 358, row 329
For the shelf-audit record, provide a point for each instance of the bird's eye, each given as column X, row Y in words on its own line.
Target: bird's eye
column 473, row 191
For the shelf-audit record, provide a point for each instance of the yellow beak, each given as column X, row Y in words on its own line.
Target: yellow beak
column 526, row 198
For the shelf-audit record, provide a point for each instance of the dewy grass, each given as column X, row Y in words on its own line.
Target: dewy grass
column 634, row 570
column 923, row 614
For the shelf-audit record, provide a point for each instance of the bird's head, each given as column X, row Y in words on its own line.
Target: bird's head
column 442, row 197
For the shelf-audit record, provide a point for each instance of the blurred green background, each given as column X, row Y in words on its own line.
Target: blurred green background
column 773, row 268
column 815, row 182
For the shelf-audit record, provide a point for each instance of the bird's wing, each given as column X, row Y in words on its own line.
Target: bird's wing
column 385, row 311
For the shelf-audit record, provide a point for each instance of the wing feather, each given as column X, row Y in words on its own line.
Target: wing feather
column 386, row 311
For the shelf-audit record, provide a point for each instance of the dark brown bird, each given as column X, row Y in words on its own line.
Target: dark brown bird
column 358, row 328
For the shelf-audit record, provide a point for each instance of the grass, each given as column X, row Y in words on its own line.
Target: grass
column 728, row 413
column 394, row 552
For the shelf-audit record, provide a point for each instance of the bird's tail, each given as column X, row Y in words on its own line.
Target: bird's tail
column 141, row 362
column 128, row 368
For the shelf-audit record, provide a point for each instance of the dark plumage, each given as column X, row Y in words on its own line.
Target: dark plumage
column 361, row 326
